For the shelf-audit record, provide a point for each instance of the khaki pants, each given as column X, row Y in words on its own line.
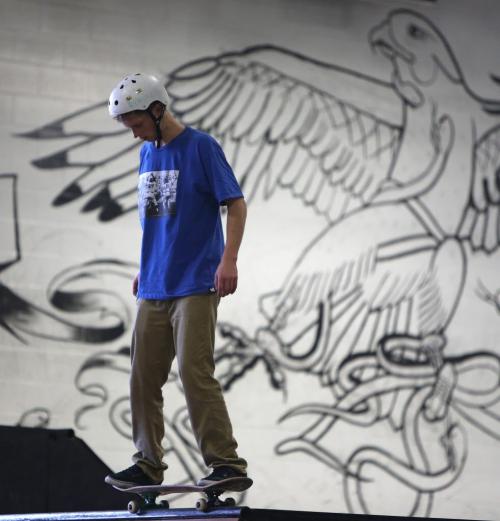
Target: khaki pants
column 182, row 327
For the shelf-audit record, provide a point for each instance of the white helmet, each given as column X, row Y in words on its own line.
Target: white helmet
column 136, row 92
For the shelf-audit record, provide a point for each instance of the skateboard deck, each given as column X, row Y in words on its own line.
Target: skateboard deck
column 148, row 494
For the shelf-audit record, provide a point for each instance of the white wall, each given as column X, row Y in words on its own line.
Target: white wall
column 373, row 223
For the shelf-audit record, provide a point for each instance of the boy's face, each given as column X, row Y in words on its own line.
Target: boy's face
column 141, row 125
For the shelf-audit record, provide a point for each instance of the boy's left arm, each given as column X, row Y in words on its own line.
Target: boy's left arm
column 226, row 276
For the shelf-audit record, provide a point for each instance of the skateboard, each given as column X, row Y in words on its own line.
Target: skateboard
column 148, row 494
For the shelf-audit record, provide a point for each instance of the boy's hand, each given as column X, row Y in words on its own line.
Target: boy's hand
column 226, row 278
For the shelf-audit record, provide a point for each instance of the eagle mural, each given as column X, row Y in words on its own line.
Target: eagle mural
column 403, row 175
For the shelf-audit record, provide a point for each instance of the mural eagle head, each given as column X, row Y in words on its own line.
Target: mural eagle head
column 418, row 52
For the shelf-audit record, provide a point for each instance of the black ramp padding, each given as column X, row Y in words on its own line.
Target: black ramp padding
column 47, row 470
column 24, row 468
column 256, row 514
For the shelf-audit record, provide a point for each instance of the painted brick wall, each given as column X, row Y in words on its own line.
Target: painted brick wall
column 361, row 349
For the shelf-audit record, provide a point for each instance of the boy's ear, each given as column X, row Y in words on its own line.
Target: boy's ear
column 156, row 108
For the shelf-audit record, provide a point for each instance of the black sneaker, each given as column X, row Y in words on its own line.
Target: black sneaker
column 221, row 473
column 134, row 476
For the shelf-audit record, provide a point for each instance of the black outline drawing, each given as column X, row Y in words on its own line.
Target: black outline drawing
column 383, row 279
column 23, row 319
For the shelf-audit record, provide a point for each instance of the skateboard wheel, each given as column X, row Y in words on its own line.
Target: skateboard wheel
column 134, row 507
column 202, row 505
column 164, row 503
column 230, row 502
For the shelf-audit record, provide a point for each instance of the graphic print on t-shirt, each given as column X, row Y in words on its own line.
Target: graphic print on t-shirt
column 158, row 192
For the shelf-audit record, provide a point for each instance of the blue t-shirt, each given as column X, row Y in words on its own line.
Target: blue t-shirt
column 181, row 187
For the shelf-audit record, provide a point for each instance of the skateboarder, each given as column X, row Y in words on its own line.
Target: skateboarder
column 185, row 268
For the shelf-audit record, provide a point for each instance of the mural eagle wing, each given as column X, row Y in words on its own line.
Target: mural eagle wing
column 101, row 153
column 278, row 130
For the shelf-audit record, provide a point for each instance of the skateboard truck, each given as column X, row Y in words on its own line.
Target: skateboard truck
column 147, row 501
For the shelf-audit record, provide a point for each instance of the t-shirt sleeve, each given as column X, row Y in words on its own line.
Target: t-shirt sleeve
column 221, row 178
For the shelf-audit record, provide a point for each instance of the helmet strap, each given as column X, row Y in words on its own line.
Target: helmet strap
column 157, row 121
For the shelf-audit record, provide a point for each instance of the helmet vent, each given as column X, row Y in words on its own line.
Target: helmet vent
column 116, row 102
column 121, row 86
column 133, row 81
